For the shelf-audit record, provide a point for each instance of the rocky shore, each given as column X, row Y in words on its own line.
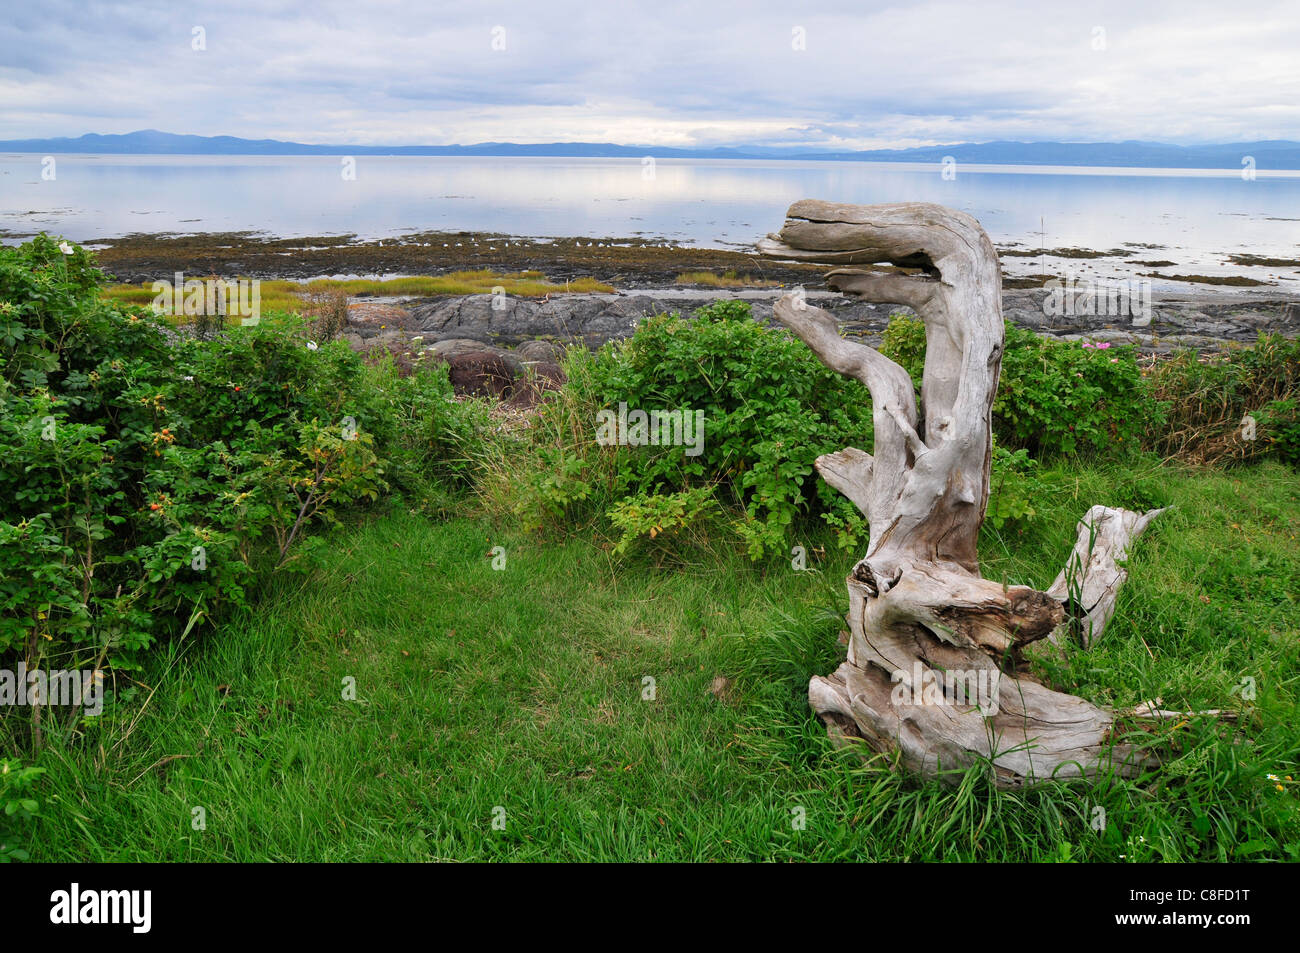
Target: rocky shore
column 593, row 319
column 493, row 342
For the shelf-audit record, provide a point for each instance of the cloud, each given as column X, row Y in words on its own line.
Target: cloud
column 670, row 73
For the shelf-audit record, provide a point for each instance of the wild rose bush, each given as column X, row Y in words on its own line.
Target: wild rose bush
column 149, row 479
column 1055, row 397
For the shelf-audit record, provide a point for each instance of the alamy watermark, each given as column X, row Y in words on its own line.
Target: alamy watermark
column 1087, row 296
column 83, row 687
column 927, row 686
column 234, row 297
column 656, row 428
column 76, row 906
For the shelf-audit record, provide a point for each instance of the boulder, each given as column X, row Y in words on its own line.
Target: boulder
column 447, row 348
column 480, row 316
column 367, row 315
column 536, row 380
column 451, row 348
column 535, row 351
column 481, row 374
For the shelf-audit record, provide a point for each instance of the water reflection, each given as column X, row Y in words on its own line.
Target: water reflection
column 709, row 202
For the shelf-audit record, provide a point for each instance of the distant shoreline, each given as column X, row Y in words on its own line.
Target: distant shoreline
column 1280, row 154
column 968, row 166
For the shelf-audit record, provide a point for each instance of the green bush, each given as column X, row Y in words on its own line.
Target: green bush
column 148, row 478
column 1013, row 487
column 433, row 443
column 1279, row 429
column 1234, row 406
column 1054, row 396
column 17, row 807
column 770, row 408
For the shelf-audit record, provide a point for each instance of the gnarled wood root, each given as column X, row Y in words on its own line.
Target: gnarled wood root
column 931, row 675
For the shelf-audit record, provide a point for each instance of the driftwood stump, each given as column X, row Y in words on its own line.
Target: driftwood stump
column 931, row 675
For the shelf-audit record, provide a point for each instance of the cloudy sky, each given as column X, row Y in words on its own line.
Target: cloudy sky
column 852, row 74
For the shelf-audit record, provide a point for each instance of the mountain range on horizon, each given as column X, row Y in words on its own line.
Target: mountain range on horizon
column 1278, row 154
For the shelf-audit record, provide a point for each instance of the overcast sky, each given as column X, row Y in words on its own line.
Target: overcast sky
column 853, row 74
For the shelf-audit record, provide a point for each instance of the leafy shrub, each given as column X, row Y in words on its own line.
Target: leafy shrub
column 17, row 806
column 770, row 408
column 904, row 343
column 433, row 442
column 1235, row 406
column 1013, row 487
column 647, row 515
column 1279, row 426
column 150, row 477
column 1054, row 396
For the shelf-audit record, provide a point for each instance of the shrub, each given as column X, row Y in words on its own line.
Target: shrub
column 1235, row 406
column 770, row 408
column 1054, row 396
column 327, row 311
column 434, row 443
column 647, row 515
column 1013, row 487
column 17, row 807
column 150, row 477
column 1279, row 429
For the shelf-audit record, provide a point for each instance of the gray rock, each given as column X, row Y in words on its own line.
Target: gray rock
column 484, row 315
column 375, row 316
column 593, row 319
column 540, row 351
column 1026, row 318
column 1185, row 317
column 451, row 349
column 481, row 374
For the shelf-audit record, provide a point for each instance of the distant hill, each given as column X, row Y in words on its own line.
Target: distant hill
column 1273, row 154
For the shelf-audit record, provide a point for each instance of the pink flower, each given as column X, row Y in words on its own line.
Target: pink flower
column 1103, row 345
column 1088, row 344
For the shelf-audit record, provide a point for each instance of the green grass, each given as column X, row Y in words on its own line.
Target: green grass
column 522, row 689
column 292, row 295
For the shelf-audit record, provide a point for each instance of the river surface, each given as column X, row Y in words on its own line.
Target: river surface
column 1195, row 218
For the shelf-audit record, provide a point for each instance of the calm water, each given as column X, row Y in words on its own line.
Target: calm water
column 1198, row 216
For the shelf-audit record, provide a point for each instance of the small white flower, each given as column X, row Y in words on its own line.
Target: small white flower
column 1273, row 777
column 188, row 377
column 66, row 248
column 311, row 345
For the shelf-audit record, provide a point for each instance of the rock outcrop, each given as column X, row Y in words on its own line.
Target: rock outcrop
column 494, row 343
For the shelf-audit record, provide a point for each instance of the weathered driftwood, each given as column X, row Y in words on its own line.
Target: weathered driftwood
column 933, row 647
column 1090, row 581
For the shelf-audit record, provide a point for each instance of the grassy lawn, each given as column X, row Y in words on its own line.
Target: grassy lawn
column 522, row 689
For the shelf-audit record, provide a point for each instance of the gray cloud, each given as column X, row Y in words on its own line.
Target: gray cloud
column 667, row 73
